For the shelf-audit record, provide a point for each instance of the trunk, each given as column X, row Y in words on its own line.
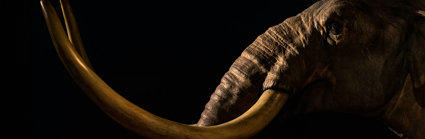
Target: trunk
column 241, row 86
column 264, row 65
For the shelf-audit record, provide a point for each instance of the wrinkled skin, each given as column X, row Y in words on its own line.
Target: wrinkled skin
column 365, row 58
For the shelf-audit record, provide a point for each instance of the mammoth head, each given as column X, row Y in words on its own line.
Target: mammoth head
column 363, row 57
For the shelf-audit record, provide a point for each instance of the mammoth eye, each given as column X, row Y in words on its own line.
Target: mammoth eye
column 335, row 28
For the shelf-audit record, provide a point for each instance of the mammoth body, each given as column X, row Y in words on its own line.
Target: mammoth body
column 360, row 57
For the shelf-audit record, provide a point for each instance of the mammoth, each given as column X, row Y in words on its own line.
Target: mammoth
column 361, row 57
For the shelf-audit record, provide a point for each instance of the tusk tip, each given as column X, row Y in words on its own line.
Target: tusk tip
column 43, row 2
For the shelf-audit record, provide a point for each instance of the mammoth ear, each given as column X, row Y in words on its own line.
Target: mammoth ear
column 417, row 57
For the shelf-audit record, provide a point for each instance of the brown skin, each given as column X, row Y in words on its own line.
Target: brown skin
column 358, row 57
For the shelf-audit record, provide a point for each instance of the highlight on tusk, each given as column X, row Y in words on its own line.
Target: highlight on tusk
column 72, row 30
column 137, row 119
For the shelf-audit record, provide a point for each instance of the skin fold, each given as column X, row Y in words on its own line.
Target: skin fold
column 359, row 57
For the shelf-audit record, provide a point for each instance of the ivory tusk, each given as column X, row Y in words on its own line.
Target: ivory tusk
column 137, row 119
column 73, row 32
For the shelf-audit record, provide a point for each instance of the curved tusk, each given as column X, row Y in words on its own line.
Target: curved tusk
column 72, row 30
column 139, row 120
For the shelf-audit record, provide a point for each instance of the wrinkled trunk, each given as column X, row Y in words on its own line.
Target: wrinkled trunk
column 263, row 65
column 241, row 86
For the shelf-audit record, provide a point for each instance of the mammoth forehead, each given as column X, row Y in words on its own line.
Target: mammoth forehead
column 362, row 15
column 325, row 10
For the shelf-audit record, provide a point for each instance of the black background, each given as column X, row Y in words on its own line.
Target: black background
column 165, row 56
